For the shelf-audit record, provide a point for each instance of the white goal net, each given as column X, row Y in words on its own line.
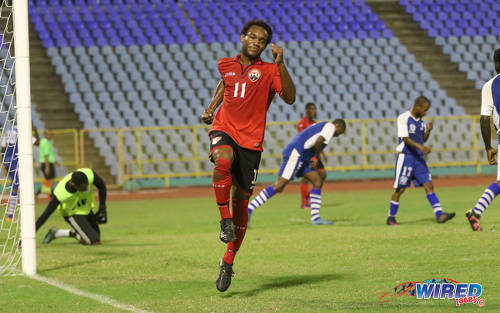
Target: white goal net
column 10, row 229
column 16, row 147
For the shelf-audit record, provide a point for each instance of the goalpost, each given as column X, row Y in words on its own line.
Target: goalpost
column 17, row 234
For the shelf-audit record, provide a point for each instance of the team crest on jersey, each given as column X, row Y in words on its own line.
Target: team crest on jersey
column 254, row 74
column 412, row 129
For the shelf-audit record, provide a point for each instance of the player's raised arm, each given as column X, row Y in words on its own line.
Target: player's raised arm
column 287, row 85
column 428, row 129
column 484, row 121
column 208, row 116
column 410, row 142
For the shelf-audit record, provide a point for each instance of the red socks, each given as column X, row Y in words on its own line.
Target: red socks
column 304, row 192
column 240, row 221
column 222, row 181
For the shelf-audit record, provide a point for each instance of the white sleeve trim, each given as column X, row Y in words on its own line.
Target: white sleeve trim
column 487, row 99
column 403, row 125
column 326, row 132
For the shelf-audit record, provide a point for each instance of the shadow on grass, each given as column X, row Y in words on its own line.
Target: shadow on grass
column 286, row 282
column 108, row 243
column 81, row 262
column 345, row 219
column 119, row 243
column 93, row 256
column 430, row 219
column 299, row 223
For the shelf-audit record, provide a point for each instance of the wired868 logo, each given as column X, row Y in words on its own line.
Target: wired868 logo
column 438, row 288
column 462, row 293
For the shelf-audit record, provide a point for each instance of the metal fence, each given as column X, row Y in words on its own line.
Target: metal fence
column 182, row 151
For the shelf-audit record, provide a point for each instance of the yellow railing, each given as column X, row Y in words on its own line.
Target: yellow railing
column 182, row 151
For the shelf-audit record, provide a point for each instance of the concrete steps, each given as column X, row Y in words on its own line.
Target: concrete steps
column 438, row 64
column 55, row 110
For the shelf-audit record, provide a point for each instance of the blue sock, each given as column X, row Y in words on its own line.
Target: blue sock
column 436, row 206
column 261, row 198
column 484, row 202
column 315, row 204
column 393, row 209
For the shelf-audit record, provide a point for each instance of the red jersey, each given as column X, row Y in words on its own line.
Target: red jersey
column 248, row 92
column 304, row 123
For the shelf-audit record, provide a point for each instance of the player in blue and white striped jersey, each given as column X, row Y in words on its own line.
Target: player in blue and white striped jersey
column 297, row 163
column 410, row 163
column 490, row 104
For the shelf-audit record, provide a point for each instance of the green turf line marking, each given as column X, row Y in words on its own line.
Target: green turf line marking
column 96, row 297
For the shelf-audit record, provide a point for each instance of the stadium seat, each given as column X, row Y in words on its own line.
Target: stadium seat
column 346, row 57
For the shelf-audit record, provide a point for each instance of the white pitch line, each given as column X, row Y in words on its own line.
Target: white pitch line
column 99, row 298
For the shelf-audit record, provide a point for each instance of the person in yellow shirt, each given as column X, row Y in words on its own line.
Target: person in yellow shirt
column 73, row 197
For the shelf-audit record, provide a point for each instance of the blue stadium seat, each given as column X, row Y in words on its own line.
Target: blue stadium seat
column 346, row 56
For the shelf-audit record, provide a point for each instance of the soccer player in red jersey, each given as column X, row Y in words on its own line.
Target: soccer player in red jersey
column 305, row 122
column 309, row 118
column 246, row 89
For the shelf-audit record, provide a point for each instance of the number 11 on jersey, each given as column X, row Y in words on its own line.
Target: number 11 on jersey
column 236, row 87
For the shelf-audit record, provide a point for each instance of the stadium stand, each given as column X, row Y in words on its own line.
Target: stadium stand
column 151, row 63
column 466, row 30
column 7, row 77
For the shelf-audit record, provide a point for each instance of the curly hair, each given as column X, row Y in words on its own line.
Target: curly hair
column 260, row 23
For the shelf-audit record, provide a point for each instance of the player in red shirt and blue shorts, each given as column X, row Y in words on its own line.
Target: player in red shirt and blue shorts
column 305, row 122
column 246, row 90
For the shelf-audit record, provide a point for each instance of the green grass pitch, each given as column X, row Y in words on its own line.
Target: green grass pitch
column 162, row 256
